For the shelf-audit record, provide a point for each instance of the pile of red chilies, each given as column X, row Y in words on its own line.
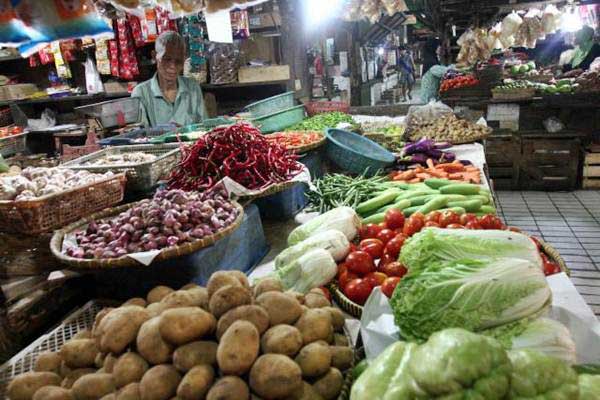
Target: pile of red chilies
column 239, row 152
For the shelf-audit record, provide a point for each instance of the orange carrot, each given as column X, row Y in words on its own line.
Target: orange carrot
column 423, row 176
column 437, row 173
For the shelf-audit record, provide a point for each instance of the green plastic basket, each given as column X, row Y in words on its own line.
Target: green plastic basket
column 280, row 120
column 206, row 125
column 271, row 105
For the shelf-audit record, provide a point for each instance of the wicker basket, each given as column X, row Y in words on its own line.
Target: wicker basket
column 54, row 211
column 141, row 177
column 306, row 148
column 320, row 107
column 56, row 243
column 359, row 355
column 13, row 144
column 272, row 189
column 516, row 94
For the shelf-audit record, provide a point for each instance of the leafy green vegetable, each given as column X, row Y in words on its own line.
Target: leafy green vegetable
column 323, row 121
column 589, row 387
column 469, row 294
column 313, row 269
column 332, row 240
column 3, row 165
column 539, row 376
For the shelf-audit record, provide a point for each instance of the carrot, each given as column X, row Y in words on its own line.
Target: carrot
column 430, row 163
column 419, row 169
column 452, row 167
column 416, row 180
column 455, row 176
column 437, row 173
column 398, row 179
column 423, row 176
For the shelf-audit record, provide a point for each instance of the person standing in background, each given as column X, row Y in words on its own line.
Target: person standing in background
column 430, row 54
column 407, row 73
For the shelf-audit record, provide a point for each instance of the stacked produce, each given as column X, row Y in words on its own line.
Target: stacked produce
column 458, row 83
column 136, row 157
column 425, row 149
column 293, row 141
column 170, row 218
column 588, row 82
column 7, row 131
column 455, row 171
column 32, row 183
column 388, row 135
column 320, row 122
column 239, row 152
column 226, row 341
column 448, row 128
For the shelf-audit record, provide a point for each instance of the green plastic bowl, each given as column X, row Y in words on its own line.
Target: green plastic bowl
column 280, row 120
column 271, row 105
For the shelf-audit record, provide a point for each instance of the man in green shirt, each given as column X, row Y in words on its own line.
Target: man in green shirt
column 169, row 97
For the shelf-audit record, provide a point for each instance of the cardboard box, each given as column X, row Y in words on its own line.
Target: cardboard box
column 264, row 74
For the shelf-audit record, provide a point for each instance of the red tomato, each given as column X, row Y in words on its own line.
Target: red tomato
column 385, row 260
column 433, row 216
column 382, row 225
column 394, row 219
column 394, row 269
column 473, row 225
column 490, row 222
column 386, row 235
column 372, row 246
column 376, row 278
column 432, row 224
column 466, row 218
column 394, row 246
column 370, row 231
column 449, row 218
column 353, row 247
column 455, row 226
column 418, row 216
column 412, row 226
column 550, row 268
column 342, row 267
column 358, row 290
column 345, row 278
column 360, row 262
column 326, row 292
column 389, row 286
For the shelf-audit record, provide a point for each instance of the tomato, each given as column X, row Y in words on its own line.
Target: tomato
column 490, row 222
column 386, row 235
column 418, row 216
column 360, row 262
column 394, row 219
column 412, row 226
column 342, row 267
column 382, row 225
column 455, row 226
column 389, row 286
column 372, row 246
column 433, row 216
column 345, row 278
column 537, row 242
column 449, row 218
column 466, row 218
column 385, row 260
column 326, row 292
column 432, row 224
column 473, row 225
column 370, row 231
column 353, row 247
column 550, row 268
column 394, row 269
column 358, row 290
column 394, row 246
column 376, row 278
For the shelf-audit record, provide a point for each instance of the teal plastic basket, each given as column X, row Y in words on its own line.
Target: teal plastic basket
column 271, row 105
column 355, row 153
column 280, row 120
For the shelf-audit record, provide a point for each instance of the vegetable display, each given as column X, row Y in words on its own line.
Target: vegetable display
column 455, row 171
column 227, row 340
column 136, row 157
column 458, row 83
column 425, row 149
column 7, row 131
column 323, row 121
column 448, row 128
column 171, row 218
column 239, row 152
column 294, row 140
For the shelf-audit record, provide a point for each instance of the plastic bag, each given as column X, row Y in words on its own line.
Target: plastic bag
column 334, row 241
column 343, row 219
column 511, row 24
column 553, row 125
column 550, row 19
column 419, row 116
column 595, row 65
column 93, row 83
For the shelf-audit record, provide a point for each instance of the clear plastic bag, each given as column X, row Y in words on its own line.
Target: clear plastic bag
column 419, row 116
column 553, row 125
column 511, row 24
column 550, row 19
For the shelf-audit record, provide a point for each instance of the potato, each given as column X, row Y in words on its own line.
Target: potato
column 340, row 340
column 110, row 396
column 315, row 300
column 315, row 324
column 109, row 363
column 93, row 386
column 268, row 285
column 79, row 353
column 64, row 369
column 129, row 368
column 84, row 334
column 306, row 392
column 196, row 383
column 296, row 295
column 227, row 298
column 240, row 276
column 129, row 392
column 99, row 360
column 251, row 313
column 183, row 325
column 195, row 353
column 136, row 301
column 72, row 376
column 98, row 319
column 24, row 386
column 155, row 309
column 275, row 376
column 53, row 393
column 238, row 348
column 120, row 328
column 341, row 357
column 190, row 286
column 151, row 345
column 197, row 297
column 314, row 359
column 337, row 318
column 281, row 339
column 159, row 383
column 329, row 385
column 282, row 308
column 229, row 388
column 158, row 293
column 220, row 279
column 48, row 362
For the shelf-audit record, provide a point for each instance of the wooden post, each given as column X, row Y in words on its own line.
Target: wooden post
column 293, row 44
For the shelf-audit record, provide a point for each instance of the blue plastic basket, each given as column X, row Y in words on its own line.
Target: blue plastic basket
column 271, row 105
column 355, row 153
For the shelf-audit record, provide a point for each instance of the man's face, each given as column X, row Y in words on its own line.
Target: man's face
column 170, row 66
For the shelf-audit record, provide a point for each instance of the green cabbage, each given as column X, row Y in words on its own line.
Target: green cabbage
column 474, row 295
column 541, row 377
column 589, row 387
column 436, row 246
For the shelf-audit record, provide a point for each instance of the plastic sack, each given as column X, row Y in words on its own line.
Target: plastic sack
column 313, row 269
column 419, row 116
column 343, row 219
column 93, row 83
column 511, row 24
column 553, row 125
column 550, row 19
column 12, row 30
column 334, row 241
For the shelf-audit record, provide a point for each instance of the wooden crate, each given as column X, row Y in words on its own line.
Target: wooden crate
column 549, row 164
column 502, row 155
column 591, row 171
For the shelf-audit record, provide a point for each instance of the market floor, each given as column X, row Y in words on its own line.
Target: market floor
column 570, row 222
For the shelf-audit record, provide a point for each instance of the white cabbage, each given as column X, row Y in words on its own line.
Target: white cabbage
column 335, row 242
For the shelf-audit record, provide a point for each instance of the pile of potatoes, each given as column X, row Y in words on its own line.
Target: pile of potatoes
column 225, row 341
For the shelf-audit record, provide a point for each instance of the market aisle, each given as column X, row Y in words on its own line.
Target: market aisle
column 568, row 221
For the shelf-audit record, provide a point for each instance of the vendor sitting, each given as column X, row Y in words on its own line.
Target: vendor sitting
column 169, row 98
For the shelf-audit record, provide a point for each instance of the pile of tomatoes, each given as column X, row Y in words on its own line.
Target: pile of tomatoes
column 459, row 82
column 10, row 131
column 374, row 261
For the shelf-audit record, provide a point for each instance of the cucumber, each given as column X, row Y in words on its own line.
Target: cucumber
column 420, row 200
column 488, row 210
column 398, row 185
column 379, row 201
column 466, row 189
column 438, row 183
column 469, row 205
column 374, row 219
column 458, row 210
column 434, row 204
column 416, row 193
column 483, row 198
column 411, row 210
column 400, row 205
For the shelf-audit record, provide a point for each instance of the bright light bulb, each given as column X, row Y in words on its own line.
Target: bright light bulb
column 380, row 51
column 318, row 11
column 571, row 21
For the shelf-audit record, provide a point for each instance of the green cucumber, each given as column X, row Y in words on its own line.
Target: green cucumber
column 397, row 185
column 488, row 210
column 379, row 201
column 461, row 188
column 419, row 201
column 483, row 198
column 400, row 205
column 374, row 219
column 416, row 193
column 435, row 183
column 469, row 205
column 434, row 204
column 411, row 210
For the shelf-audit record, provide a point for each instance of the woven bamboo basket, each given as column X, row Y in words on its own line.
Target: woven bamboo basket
column 123, row 262
column 359, row 355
